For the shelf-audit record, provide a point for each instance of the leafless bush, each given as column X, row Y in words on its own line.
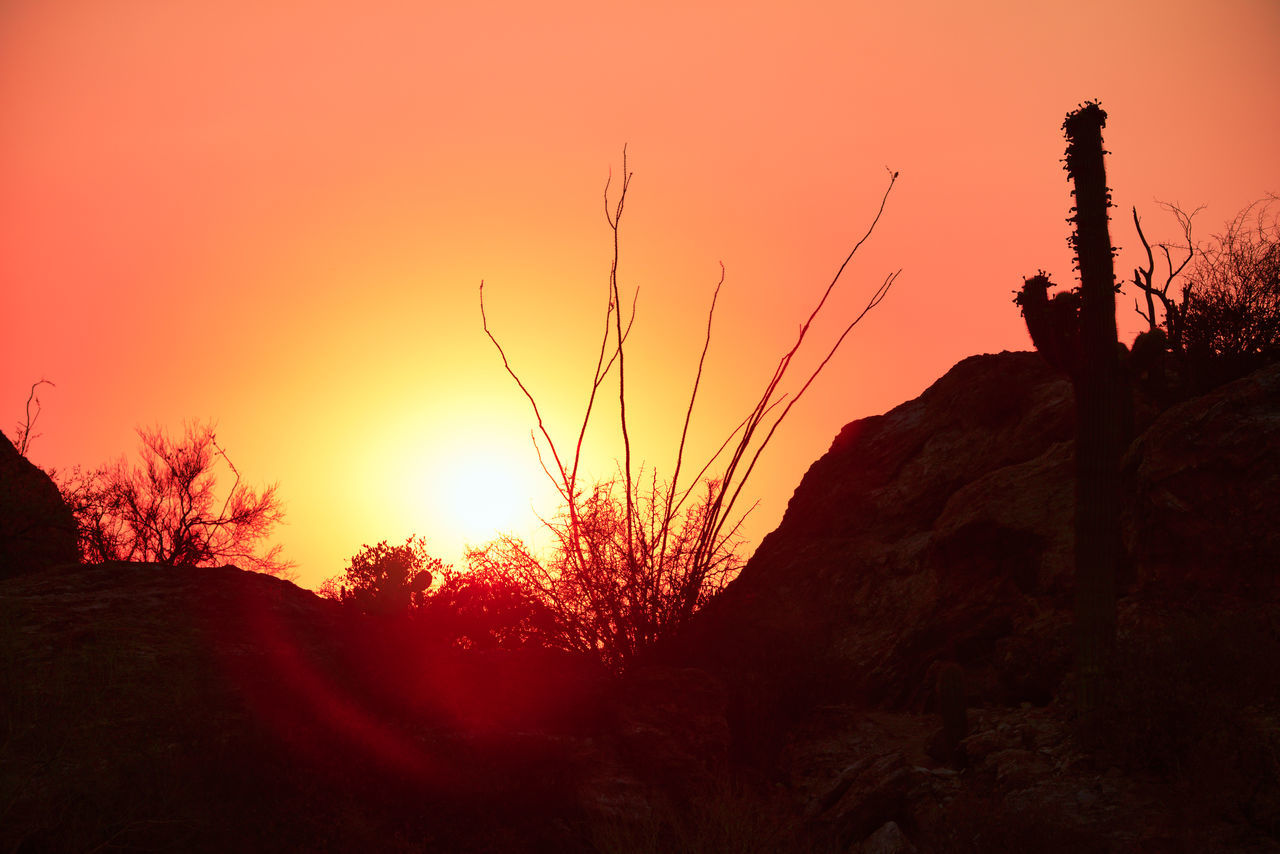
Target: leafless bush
column 166, row 510
column 634, row 557
column 1224, row 319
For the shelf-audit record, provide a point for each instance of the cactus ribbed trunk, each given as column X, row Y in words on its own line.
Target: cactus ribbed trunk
column 1099, row 411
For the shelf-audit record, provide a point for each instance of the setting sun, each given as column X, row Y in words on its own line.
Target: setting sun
column 482, row 493
column 279, row 222
column 471, row 489
column 875, row 478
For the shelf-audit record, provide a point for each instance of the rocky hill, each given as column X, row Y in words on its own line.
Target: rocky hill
column 36, row 529
column 210, row 709
column 890, row 673
column 940, row 534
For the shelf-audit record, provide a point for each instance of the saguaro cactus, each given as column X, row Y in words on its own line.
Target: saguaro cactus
column 1099, row 408
column 1078, row 335
column 1054, row 324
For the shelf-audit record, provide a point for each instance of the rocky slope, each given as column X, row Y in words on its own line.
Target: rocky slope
column 940, row 534
column 36, row 528
column 924, row 563
column 147, row 707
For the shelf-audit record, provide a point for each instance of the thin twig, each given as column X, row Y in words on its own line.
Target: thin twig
column 688, row 413
column 484, row 322
column 24, row 434
column 720, row 510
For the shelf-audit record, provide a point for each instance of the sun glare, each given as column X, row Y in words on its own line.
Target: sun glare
column 473, row 493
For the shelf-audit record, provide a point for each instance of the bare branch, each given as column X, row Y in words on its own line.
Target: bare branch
column 688, row 413
column 720, row 510
column 24, row 434
column 1143, row 277
column 484, row 321
column 622, row 383
column 629, row 567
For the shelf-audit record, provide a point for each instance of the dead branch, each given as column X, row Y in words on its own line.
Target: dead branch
column 1144, row 277
column 24, row 434
column 636, row 574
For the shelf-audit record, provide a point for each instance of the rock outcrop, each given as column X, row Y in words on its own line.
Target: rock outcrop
column 1204, row 482
column 37, row 529
column 942, row 532
column 890, row 673
column 939, row 536
column 939, row 531
column 152, row 707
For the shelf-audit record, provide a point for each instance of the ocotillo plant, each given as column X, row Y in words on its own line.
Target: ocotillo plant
column 1084, row 344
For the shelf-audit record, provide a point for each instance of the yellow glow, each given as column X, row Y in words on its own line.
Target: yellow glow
column 278, row 219
column 471, row 489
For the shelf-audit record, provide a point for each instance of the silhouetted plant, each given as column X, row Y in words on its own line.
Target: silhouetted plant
column 23, row 435
column 1225, row 320
column 1099, row 409
column 1054, row 324
column 487, row 608
column 632, row 561
column 1083, row 342
column 599, row 608
column 166, row 510
column 484, row 607
column 383, row 579
column 1232, row 297
column 1165, row 318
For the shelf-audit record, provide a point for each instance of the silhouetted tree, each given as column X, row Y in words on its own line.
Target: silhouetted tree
column 484, row 607
column 488, row 607
column 633, row 560
column 1232, row 298
column 383, row 579
column 165, row 509
column 1166, row 317
column 1225, row 320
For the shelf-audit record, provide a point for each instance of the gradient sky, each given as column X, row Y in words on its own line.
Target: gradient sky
column 276, row 215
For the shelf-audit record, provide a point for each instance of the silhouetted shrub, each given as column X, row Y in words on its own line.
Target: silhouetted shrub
column 634, row 560
column 487, row 608
column 1225, row 323
column 622, row 573
column 1231, row 324
column 483, row 608
column 166, row 510
column 383, row 579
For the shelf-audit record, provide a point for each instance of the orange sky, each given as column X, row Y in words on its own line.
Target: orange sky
column 279, row 218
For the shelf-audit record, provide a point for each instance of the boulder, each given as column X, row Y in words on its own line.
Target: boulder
column 210, row 709
column 1204, row 481
column 889, row 839
column 37, row 529
column 943, row 531
column 929, row 533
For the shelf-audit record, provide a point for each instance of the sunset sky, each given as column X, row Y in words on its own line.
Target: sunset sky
column 277, row 216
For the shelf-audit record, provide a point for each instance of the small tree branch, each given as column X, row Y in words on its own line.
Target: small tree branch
column 484, row 321
column 24, row 433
